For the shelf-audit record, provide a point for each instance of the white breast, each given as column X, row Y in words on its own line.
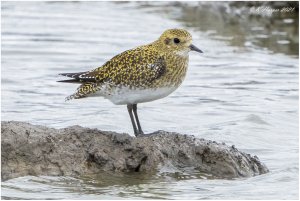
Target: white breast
column 124, row 95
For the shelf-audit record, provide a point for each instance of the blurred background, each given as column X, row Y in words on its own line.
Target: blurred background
column 261, row 25
column 243, row 90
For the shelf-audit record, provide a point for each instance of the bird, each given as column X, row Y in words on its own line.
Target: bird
column 142, row 74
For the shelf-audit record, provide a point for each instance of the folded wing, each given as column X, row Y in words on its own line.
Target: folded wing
column 136, row 68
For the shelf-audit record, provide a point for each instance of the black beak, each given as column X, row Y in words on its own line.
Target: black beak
column 194, row 48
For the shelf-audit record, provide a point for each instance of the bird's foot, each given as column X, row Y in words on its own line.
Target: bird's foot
column 150, row 134
column 147, row 135
column 139, row 134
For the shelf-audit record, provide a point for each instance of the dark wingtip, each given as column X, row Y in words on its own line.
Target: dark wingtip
column 69, row 81
column 65, row 74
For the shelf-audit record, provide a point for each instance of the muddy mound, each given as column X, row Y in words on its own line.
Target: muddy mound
column 37, row 150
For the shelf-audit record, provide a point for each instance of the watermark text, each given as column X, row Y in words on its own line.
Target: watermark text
column 266, row 10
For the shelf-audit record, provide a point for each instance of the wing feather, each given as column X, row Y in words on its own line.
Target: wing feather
column 135, row 68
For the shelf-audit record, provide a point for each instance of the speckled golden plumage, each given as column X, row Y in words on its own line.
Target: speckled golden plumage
column 161, row 64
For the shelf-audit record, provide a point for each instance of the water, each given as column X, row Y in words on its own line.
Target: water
column 246, row 95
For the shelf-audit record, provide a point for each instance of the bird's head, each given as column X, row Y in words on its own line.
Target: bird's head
column 177, row 41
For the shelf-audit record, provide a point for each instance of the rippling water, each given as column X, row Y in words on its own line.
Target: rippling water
column 236, row 94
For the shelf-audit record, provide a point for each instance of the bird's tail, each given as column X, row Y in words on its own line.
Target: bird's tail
column 84, row 90
column 88, row 85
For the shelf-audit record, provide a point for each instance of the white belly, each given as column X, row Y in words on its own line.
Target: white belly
column 124, row 95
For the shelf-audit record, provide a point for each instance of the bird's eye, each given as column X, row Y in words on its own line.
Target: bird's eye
column 176, row 40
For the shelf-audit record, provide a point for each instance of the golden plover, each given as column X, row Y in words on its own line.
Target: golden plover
column 139, row 75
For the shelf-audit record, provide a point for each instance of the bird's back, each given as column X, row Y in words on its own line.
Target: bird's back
column 136, row 67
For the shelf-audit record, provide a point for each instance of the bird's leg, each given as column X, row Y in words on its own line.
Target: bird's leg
column 137, row 119
column 129, row 108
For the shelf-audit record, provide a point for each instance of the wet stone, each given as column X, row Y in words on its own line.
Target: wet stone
column 28, row 149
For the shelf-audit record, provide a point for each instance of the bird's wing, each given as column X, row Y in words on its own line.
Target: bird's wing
column 137, row 67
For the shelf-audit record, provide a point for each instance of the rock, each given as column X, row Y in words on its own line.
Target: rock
column 37, row 150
